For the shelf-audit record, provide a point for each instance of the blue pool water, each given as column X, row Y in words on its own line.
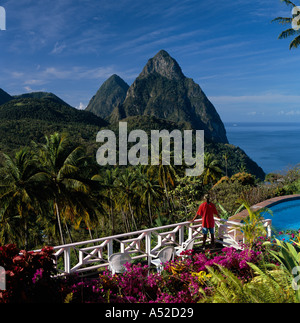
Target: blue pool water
column 286, row 215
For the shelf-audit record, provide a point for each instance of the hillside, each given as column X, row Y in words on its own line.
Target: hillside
column 41, row 95
column 4, row 97
column 24, row 120
column 237, row 158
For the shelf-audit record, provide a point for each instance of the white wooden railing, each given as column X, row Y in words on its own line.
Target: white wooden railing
column 93, row 254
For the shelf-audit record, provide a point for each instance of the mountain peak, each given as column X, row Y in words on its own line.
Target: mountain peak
column 163, row 64
column 111, row 93
column 162, row 91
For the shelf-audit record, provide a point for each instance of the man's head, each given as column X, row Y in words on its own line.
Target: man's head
column 206, row 198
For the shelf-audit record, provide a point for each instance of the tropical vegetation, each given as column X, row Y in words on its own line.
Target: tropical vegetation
column 261, row 275
column 53, row 193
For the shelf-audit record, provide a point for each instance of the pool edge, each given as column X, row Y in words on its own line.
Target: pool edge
column 267, row 203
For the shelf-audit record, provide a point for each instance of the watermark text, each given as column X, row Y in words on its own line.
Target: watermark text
column 139, row 153
column 296, row 18
column 2, row 279
column 2, row 19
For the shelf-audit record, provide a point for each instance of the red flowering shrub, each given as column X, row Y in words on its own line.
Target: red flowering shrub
column 28, row 276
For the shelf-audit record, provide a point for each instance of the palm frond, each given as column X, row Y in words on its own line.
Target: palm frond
column 282, row 20
column 287, row 33
column 288, row 3
column 295, row 43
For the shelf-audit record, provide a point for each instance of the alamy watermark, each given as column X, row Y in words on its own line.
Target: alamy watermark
column 296, row 274
column 2, row 279
column 2, row 19
column 296, row 18
column 139, row 153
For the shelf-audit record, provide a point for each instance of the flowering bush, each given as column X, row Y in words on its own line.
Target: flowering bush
column 179, row 282
column 29, row 278
column 28, row 275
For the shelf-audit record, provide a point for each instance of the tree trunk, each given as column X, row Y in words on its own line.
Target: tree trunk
column 149, row 210
column 59, row 224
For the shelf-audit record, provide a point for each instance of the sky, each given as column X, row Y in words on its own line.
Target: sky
column 230, row 48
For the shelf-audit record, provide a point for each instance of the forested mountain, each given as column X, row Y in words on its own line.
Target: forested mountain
column 41, row 95
column 111, row 94
column 160, row 98
column 161, row 90
column 26, row 119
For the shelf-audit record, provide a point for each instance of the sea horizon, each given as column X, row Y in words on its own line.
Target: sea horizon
column 274, row 146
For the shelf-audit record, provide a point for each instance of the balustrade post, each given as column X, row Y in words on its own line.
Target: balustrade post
column 181, row 235
column 67, row 260
column 148, row 247
column 269, row 230
column 110, row 249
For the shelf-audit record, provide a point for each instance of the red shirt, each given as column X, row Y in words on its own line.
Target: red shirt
column 207, row 212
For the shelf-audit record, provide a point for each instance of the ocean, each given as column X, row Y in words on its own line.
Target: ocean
column 275, row 147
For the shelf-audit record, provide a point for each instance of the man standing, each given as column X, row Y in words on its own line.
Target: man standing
column 207, row 211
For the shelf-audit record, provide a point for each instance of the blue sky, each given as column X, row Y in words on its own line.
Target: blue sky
column 230, row 48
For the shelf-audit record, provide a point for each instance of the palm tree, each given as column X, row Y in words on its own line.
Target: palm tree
column 107, row 181
column 127, row 197
column 294, row 22
column 62, row 164
column 225, row 156
column 166, row 176
column 212, row 171
column 150, row 192
column 19, row 193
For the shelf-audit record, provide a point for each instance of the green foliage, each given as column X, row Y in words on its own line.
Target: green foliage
column 224, row 214
column 187, row 195
column 227, row 191
column 25, row 120
column 266, row 287
column 252, row 225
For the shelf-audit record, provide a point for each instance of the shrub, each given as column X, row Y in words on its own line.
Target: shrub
column 28, row 276
column 180, row 281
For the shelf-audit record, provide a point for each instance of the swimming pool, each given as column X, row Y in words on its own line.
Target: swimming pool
column 286, row 215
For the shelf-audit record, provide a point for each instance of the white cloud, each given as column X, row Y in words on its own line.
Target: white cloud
column 17, row 74
column 261, row 98
column 28, row 88
column 81, row 106
column 58, row 48
column 79, row 72
column 34, row 82
column 289, row 113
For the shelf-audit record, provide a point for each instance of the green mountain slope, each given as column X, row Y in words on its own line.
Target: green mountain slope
column 41, row 95
column 24, row 120
column 4, row 97
column 237, row 158
column 111, row 94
